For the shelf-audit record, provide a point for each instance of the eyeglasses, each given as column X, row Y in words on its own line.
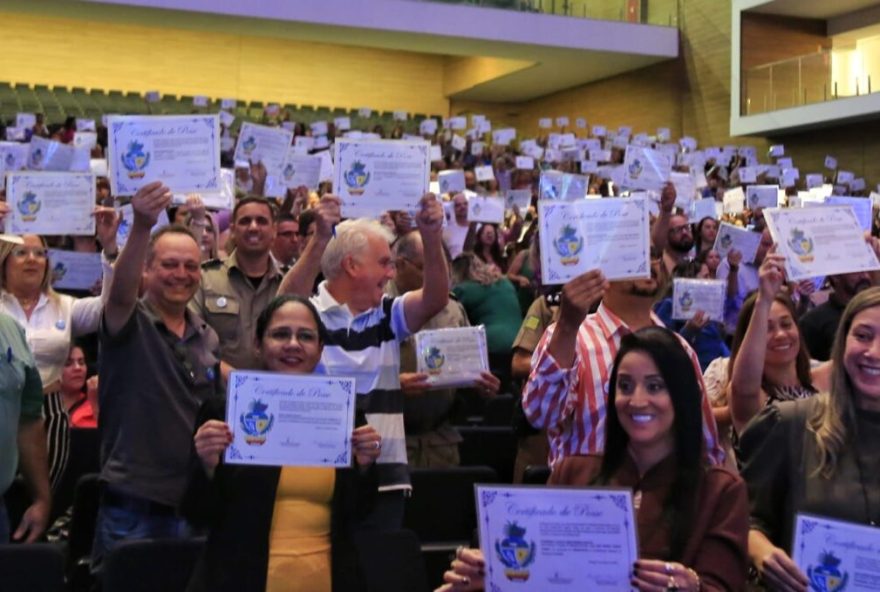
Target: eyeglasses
column 23, row 252
column 284, row 335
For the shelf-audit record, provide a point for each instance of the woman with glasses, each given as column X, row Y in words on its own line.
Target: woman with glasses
column 279, row 528
column 51, row 320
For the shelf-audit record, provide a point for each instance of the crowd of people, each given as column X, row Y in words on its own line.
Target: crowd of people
column 724, row 429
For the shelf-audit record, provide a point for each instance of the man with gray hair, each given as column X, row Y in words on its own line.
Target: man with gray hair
column 365, row 327
column 431, row 440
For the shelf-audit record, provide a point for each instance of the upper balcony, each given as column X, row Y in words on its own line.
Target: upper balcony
column 804, row 65
column 499, row 50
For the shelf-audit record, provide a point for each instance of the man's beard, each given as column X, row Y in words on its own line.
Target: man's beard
column 681, row 247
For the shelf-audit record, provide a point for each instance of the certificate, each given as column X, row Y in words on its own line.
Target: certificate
column 691, row 295
column 219, row 200
column 555, row 185
column 820, row 241
column 609, row 234
column 13, row 156
column 451, row 181
column 861, row 206
column 51, row 203
column 182, row 151
column 536, row 539
column 75, row 271
column 452, row 357
column 484, row 173
column 48, row 155
column 645, row 168
column 521, row 198
column 261, row 143
column 733, row 237
column 124, row 229
column 485, row 209
column 837, row 555
column 685, row 190
column 705, row 208
column 734, row 201
column 290, row 420
column 85, row 140
column 374, row 176
column 762, row 196
column 301, row 170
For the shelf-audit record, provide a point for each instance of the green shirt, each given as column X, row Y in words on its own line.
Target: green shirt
column 21, row 394
column 495, row 306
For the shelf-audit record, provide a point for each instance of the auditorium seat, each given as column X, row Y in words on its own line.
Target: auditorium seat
column 490, row 446
column 441, row 509
column 391, row 561
column 499, row 410
column 82, row 530
column 37, row 567
column 151, row 564
column 536, row 475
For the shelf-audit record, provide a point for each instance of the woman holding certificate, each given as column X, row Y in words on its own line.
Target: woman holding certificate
column 767, row 337
column 692, row 518
column 820, row 455
column 279, row 528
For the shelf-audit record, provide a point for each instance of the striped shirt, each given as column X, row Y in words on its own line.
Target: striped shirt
column 570, row 402
column 366, row 347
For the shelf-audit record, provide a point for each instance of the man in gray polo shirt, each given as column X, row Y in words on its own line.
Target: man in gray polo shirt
column 159, row 363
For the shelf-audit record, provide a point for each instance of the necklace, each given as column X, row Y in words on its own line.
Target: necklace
column 868, row 513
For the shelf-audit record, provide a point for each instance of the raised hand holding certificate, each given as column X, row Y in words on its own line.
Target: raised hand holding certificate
column 290, row 420
column 733, row 237
column 691, row 295
column 820, row 241
column 837, row 555
column 182, row 151
column 301, row 170
column 452, row 357
column 609, row 234
column 72, row 270
column 50, row 203
column 261, row 143
column 536, row 539
column 375, row 176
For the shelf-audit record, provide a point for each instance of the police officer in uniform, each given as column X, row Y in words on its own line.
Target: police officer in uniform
column 236, row 289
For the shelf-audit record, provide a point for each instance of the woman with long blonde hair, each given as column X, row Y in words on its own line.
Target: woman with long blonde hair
column 819, row 455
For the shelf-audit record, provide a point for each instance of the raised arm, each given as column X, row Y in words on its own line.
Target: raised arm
column 661, row 225
column 745, row 381
column 419, row 306
column 147, row 203
column 85, row 314
column 301, row 278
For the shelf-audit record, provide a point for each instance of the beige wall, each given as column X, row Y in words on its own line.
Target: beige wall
column 70, row 52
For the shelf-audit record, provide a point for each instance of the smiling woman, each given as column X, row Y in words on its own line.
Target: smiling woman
column 692, row 518
column 819, row 455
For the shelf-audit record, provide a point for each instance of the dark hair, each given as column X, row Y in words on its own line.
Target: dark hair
column 306, row 218
column 257, row 200
column 698, row 234
column 495, row 254
column 266, row 316
column 286, row 217
column 680, row 376
column 802, row 363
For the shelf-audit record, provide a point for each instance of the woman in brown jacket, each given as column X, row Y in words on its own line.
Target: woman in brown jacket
column 692, row 517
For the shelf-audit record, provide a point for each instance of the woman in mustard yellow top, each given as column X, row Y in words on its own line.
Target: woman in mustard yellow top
column 277, row 528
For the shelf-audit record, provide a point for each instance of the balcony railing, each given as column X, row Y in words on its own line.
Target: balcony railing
column 799, row 81
column 649, row 12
